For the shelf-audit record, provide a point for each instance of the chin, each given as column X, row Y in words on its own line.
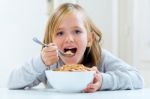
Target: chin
column 71, row 61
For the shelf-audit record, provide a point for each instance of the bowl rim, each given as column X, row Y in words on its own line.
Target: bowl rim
column 70, row 71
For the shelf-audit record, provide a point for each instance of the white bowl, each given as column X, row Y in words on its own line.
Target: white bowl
column 69, row 81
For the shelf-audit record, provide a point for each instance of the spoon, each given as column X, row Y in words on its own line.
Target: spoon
column 68, row 54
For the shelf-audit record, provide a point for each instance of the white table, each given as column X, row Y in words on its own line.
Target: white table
column 52, row 94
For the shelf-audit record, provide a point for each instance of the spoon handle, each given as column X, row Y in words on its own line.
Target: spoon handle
column 39, row 42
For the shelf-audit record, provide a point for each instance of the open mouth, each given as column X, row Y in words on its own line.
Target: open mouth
column 72, row 50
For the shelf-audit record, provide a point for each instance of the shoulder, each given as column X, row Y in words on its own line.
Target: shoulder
column 107, row 55
column 111, row 61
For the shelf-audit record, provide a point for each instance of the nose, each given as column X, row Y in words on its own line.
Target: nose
column 69, row 38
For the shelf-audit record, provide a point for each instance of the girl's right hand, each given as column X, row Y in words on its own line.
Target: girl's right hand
column 50, row 54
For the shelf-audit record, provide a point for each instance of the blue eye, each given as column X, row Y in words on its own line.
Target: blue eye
column 59, row 33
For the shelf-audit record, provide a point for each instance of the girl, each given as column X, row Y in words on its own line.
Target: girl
column 70, row 29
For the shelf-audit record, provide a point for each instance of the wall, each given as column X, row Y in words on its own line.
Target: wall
column 104, row 13
column 142, row 34
column 20, row 21
column 134, row 35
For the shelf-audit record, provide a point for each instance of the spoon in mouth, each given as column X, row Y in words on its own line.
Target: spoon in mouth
column 68, row 53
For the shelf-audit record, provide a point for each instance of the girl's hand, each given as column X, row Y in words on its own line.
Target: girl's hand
column 96, row 84
column 50, row 54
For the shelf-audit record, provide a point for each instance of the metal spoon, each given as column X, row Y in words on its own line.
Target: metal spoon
column 60, row 52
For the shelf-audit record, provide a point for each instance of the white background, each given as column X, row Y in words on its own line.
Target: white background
column 20, row 21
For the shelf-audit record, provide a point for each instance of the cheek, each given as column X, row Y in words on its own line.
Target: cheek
column 58, row 42
column 82, row 44
column 83, row 41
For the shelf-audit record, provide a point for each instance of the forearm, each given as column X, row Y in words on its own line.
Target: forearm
column 121, row 80
column 116, row 74
column 26, row 75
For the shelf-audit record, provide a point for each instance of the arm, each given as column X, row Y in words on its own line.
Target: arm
column 33, row 72
column 116, row 74
column 28, row 75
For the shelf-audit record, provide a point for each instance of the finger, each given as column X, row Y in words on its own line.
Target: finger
column 47, row 49
column 96, row 77
column 45, row 55
column 51, row 60
column 50, row 51
column 94, row 68
column 49, row 57
column 90, row 85
column 52, row 44
column 90, row 89
column 93, row 87
column 50, row 54
column 51, row 47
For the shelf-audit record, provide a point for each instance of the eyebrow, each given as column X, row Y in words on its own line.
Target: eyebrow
column 71, row 27
column 76, row 27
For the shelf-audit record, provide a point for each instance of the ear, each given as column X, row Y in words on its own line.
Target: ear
column 90, row 39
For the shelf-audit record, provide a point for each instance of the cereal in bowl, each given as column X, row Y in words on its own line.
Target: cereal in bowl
column 73, row 67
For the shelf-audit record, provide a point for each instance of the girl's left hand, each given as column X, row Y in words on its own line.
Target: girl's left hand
column 96, row 84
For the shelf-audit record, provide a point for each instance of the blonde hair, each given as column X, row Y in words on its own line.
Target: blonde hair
column 92, row 54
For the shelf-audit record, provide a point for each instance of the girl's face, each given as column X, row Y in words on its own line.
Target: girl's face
column 71, row 35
